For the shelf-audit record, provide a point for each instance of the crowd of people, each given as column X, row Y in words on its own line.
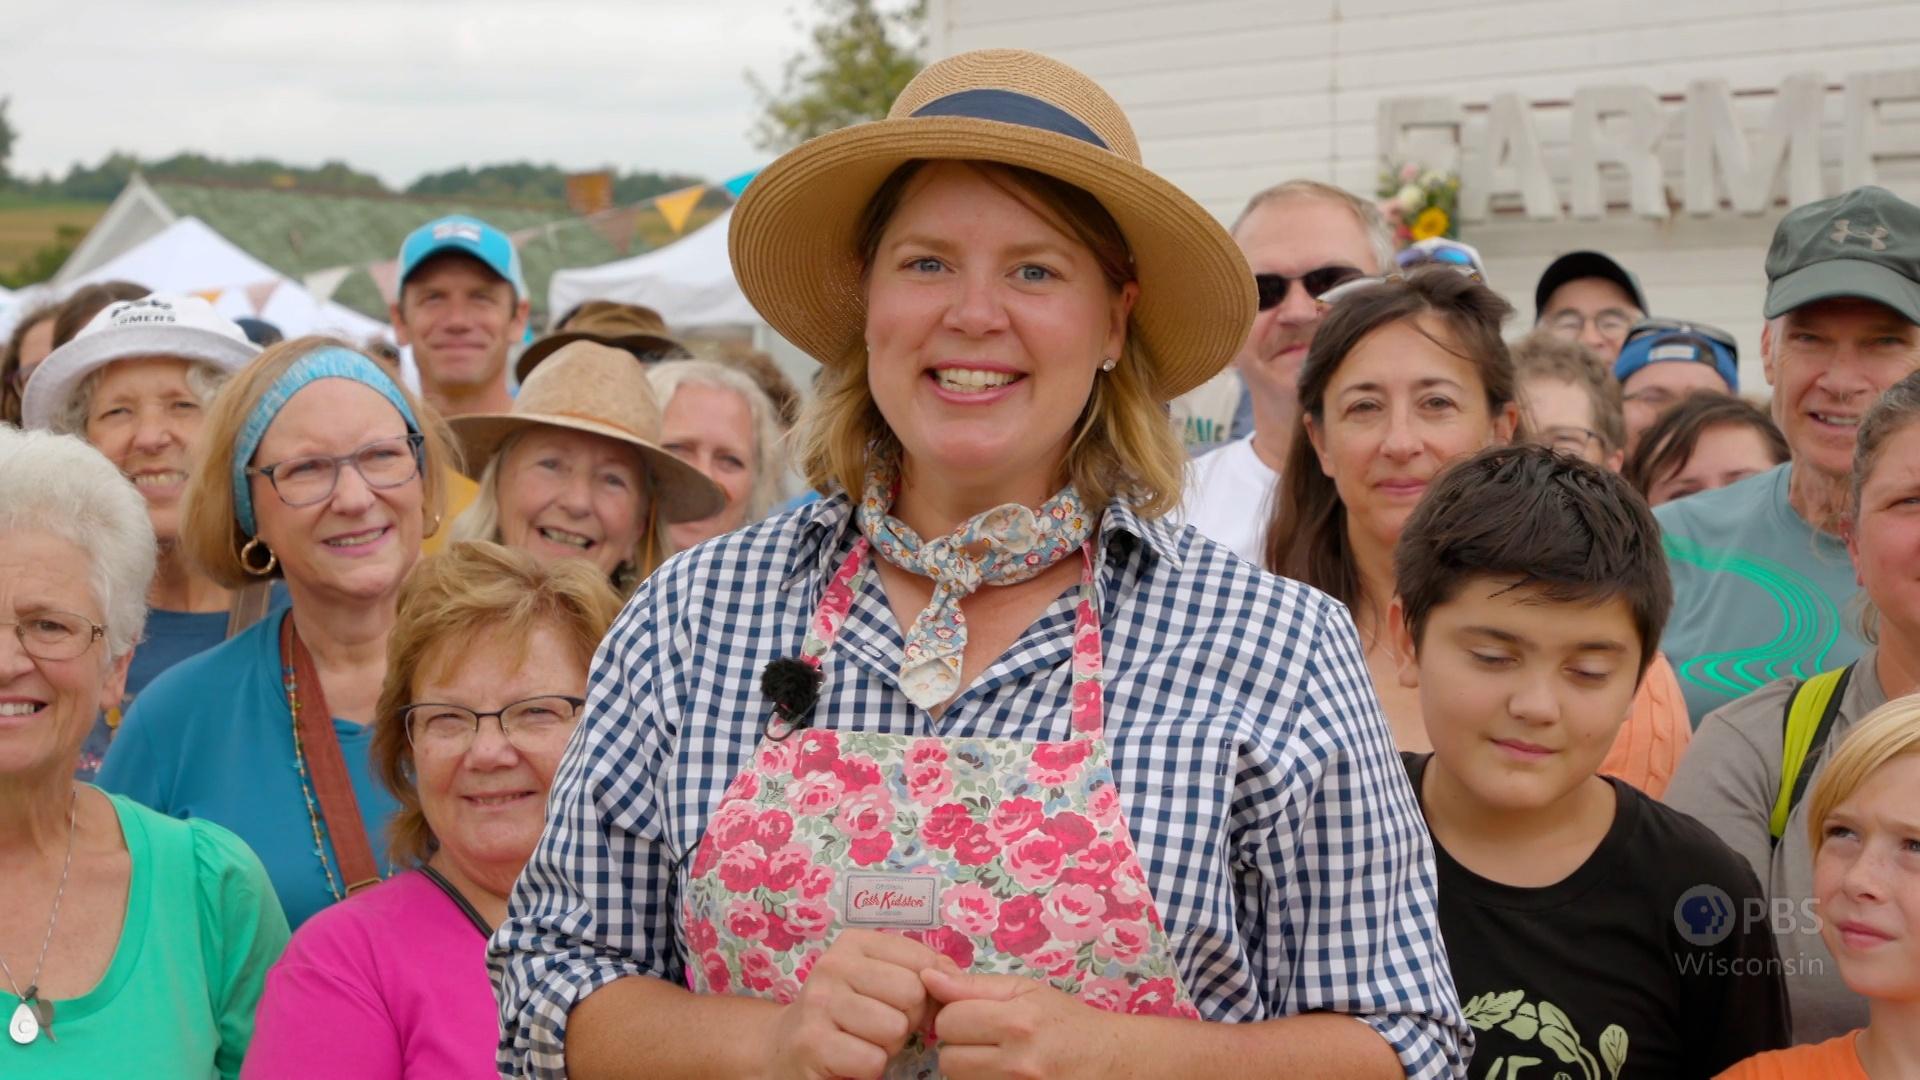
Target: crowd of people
column 1154, row 648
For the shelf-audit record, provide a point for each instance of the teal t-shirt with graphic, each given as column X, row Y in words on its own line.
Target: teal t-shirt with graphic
column 1757, row 592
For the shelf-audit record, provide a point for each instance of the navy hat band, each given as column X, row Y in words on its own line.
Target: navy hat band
column 1009, row 107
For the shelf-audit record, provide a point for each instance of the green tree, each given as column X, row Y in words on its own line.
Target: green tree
column 859, row 58
column 6, row 140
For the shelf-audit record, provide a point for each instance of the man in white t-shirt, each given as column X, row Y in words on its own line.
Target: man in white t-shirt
column 1302, row 238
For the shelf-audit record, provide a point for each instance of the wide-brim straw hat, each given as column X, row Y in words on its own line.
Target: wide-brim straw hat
column 637, row 329
column 793, row 238
column 586, row 386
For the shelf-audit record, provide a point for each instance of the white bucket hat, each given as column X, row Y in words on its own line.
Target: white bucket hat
column 186, row 327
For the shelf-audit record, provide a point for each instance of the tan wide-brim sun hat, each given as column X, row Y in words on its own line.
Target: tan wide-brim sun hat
column 598, row 389
column 793, row 241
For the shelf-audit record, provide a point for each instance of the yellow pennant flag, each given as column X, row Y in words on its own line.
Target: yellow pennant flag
column 211, row 296
column 675, row 206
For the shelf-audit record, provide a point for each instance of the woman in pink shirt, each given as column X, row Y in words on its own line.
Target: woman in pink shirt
column 486, row 671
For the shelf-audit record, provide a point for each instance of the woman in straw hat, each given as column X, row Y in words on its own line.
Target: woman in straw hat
column 576, row 471
column 979, row 734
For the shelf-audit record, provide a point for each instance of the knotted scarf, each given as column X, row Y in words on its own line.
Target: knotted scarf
column 1002, row 546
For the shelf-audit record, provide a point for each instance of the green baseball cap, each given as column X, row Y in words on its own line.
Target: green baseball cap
column 1863, row 243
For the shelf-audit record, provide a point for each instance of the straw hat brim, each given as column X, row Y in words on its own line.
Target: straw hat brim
column 633, row 343
column 683, row 492
column 792, row 238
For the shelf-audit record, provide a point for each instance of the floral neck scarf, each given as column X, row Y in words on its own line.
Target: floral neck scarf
column 1003, row 546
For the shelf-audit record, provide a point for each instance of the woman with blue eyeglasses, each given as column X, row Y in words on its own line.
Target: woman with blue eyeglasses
column 321, row 470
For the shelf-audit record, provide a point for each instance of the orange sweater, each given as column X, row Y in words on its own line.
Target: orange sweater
column 1655, row 735
column 1835, row 1059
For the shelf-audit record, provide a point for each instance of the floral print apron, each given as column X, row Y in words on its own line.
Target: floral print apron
column 1009, row 857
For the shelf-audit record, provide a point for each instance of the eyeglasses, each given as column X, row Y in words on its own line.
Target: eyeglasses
column 537, row 721
column 56, row 635
column 383, row 463
column 1650, row 326
column 1273, row 287
column 1612, row 323
column 1567, row 439
column 1348, row 288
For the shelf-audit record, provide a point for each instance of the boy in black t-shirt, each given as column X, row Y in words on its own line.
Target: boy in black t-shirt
column 1593, row 933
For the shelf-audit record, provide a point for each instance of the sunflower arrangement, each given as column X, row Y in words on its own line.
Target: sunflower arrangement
column 1419, row 203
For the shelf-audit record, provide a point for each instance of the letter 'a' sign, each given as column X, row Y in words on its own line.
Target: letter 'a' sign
column 902, row 901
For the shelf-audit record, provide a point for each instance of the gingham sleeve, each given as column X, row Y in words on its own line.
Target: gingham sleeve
column 1346, row 916
column 594, row 902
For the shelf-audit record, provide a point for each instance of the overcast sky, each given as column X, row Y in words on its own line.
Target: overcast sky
column 398, row 87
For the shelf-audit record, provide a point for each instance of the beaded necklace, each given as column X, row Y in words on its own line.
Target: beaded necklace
column 306, row 785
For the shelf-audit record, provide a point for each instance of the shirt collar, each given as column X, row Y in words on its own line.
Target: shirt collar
column 825, row 526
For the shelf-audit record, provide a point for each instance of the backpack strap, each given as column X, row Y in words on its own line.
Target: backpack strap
column 1808, row 721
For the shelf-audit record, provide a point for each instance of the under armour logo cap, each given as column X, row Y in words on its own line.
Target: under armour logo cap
column 1864, row 243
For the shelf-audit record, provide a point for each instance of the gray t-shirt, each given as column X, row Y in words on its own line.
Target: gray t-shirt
column 1758, row 594
column 1729, row 779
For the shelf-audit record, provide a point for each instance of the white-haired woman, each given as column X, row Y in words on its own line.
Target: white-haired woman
column 135, row 384
column 719, row 420
column 130, row 936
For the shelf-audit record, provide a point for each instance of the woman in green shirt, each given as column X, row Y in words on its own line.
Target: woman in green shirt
column 135, row 944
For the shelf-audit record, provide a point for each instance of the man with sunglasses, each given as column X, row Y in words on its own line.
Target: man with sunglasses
column 1664, row 360
column 1302, row 238
column 1761, row 575
column 1586, row 296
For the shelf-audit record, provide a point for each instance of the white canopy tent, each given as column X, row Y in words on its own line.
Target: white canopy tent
column 189, row 257
column 689, row 282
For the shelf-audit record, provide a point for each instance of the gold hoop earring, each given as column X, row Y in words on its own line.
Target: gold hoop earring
column 246, row 558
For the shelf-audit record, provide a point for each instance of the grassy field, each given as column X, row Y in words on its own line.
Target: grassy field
column 27, row 226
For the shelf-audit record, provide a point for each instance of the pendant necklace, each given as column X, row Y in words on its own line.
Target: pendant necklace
column 33, row 1015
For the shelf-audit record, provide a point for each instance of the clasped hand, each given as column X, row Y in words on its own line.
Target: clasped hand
column 869, row 992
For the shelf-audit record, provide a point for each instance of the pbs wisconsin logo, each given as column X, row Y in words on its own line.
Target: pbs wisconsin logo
column 1704, row 915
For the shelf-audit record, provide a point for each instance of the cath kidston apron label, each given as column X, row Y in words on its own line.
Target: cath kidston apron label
column 905, row 901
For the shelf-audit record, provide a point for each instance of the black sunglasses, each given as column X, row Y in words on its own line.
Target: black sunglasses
column 1273, row 287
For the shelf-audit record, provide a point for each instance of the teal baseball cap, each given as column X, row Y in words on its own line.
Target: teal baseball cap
column 1863, row 243
column 470, row 237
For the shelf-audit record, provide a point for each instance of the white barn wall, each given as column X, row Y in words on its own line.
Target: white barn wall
column 1229, row 96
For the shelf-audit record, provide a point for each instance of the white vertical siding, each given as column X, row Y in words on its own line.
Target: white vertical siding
column 1229, row 96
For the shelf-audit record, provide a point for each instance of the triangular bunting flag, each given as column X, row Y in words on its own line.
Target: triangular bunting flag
column 616, row 226
column 385, row 275
column 211, row 296
column 675, row 206
column 738, row 184
column 259, row 293
column 324, row 283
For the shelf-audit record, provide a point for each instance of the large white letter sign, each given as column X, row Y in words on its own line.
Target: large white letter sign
column 1748, row 168
column 1645, row 125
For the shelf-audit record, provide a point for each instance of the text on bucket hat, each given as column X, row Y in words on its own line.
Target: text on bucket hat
column 793, row 239
column 598, row 389
column 469, row 236
column 159, row 325
column 1863, row 243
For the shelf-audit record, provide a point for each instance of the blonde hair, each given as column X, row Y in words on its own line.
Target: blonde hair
column 210, row 532
column 468, row 592
column 1123, row 445
column 768, row 462
column 1889, row 732
column 481, row 521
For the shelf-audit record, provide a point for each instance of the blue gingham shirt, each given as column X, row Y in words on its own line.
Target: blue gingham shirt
column 1271, row 814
